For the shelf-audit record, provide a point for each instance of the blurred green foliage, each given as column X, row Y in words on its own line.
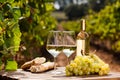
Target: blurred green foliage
column 35, row 23
column 72, row 25
column 24, row 22
column 10, row 35
column 97, row 5
column 9, row 29
column 76, row 11
column 104, row 25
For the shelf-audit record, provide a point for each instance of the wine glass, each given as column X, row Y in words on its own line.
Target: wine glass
column 54, row 44
column 69, row 43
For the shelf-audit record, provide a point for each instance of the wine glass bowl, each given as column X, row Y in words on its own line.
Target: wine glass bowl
column 69, row 43
column 54, row 44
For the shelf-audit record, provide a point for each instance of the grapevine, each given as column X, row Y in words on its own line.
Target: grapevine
column 105, row 25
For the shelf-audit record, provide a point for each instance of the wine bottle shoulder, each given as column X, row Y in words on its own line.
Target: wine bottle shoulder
column 82, row 35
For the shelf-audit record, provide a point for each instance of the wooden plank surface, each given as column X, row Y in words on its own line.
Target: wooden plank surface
column 50, row 75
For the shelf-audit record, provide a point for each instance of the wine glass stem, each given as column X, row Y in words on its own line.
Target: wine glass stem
column 55, row 63
column 67, row 61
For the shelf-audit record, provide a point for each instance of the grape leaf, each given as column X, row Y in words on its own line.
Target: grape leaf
column 11, row 65
column 2, row 1
column 0, row 64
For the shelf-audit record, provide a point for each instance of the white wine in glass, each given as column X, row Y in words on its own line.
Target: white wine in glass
column 69, row 50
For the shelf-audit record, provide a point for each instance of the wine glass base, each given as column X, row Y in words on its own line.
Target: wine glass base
column 58, row 70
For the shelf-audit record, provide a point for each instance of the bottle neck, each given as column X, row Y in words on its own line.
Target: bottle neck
column 83, row 24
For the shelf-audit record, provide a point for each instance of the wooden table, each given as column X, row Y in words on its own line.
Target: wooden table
column 49, row 75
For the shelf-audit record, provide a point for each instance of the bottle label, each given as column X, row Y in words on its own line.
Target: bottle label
column 80, row 47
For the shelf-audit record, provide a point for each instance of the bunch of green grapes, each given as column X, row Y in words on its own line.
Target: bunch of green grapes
column 87, row 65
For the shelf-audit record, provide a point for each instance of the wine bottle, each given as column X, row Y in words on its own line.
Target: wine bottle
column 82, row 41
